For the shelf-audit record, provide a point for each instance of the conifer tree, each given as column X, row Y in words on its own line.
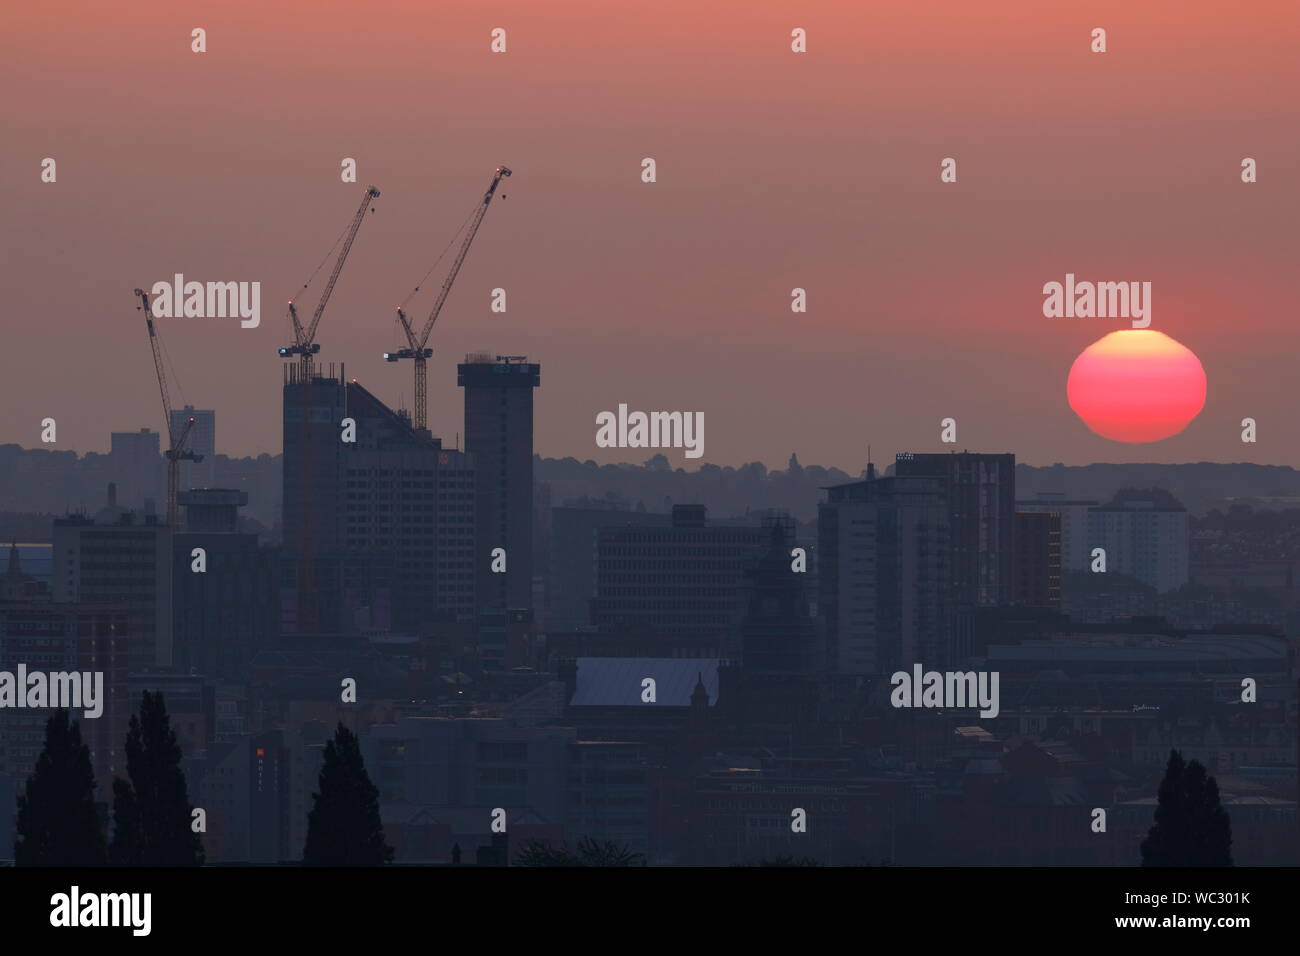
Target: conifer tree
column 1191, row 827
column 127, row 846
column 343, row 828
column 59, row 823
column 153, row 806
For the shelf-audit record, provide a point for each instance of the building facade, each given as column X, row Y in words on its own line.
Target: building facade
column 499, row 438
column 121, row 558
column 981, row 498
column 885, row 574
column 136, row 466
column 378, row 531
column 1143, row 538
column 1075, row 550
column 1036, row 567
column 687, row 578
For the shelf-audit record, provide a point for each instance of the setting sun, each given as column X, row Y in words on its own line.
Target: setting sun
column 1137, row 385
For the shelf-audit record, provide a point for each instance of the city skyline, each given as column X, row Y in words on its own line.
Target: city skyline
column 833, row 436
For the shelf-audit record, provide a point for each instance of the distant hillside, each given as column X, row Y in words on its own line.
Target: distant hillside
column 655, row 486
column 44, row 481
column 731, row 491
column 1200, row 485
column 41, row 480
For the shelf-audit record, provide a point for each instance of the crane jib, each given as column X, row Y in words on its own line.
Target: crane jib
column 418, row 349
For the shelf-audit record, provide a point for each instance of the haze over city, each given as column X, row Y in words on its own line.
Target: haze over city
column 775, row 172
column 447, row 437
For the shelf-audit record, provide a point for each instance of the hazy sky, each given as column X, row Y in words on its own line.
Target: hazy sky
column 775, row 170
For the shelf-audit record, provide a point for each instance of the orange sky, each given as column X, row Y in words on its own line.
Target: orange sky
column 775, row 170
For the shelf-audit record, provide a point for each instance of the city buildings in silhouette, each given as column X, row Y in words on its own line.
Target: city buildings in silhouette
column 1036, row 559
column 775, row 631
column 757, row 705
column 1145, row 535
column 685, row 579
column 571, row 576
column 378, row 532
column 981, row 500
column 885, row 573
column 499, row 440
column 119, row 557
column 17, row 584
column 243, row 782
column 228, row 610
column 136, row 467
column 440, row 778
column 1076, row 551
column 312, row 498
column 52, row 637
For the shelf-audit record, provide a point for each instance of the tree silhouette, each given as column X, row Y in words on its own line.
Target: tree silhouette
column 127, row 846
column 589, row 853
column 343, row 828
column 152, row 813
column 1191, row 827
column 59, row 823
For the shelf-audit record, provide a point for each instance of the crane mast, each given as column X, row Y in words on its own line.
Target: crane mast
column 175, row 452
column 305, row 347
column 416, row 346
column 304, row 337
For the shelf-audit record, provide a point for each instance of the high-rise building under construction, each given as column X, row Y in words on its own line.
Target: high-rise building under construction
column 378, row 518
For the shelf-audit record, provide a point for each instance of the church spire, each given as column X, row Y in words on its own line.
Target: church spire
column 700, row 696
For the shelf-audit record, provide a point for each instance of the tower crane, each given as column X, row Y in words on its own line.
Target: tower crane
column 304, row 338
column 175, row 452
column 305, row 347
column 416, row 345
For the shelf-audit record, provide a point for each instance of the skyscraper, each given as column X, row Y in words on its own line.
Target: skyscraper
column 499, row 439
column 313, row 415
column 981, row 494
column 1037, row 564
column 380, row 528
column 884, row 579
